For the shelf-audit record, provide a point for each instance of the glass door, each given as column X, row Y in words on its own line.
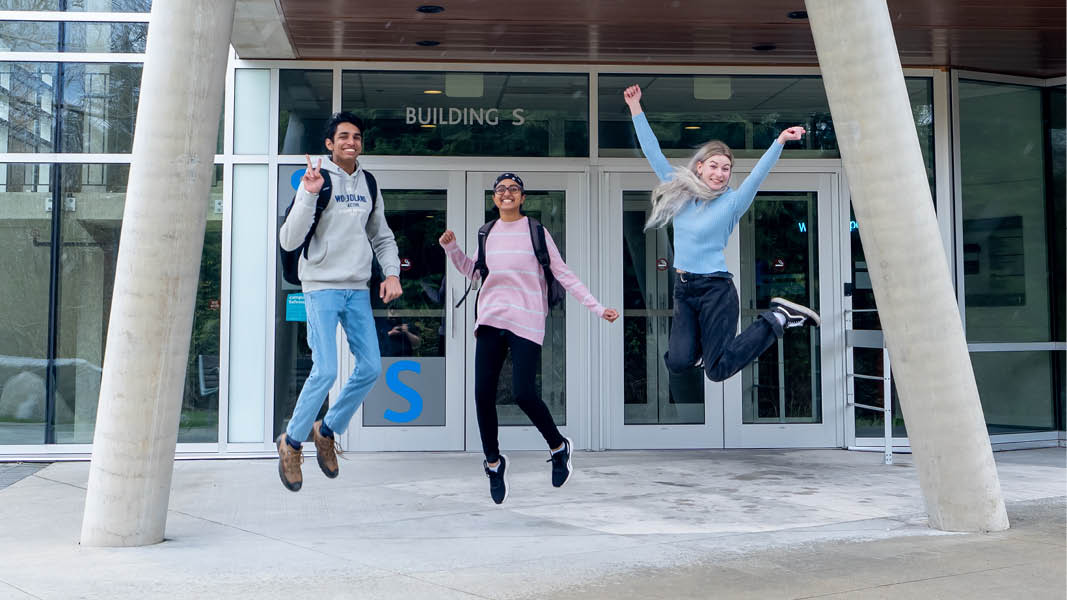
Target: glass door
column 646, row 405
column 787, row 397
column 554, row 199
column 416, row 403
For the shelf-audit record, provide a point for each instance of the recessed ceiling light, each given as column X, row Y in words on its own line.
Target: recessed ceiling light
column 427, row 43
column 798, row 14
column 430, row 9
column 764, row 47
column 431, row 91
column 692, row 127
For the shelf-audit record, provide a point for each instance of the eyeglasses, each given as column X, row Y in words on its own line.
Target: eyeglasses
column 514, row 189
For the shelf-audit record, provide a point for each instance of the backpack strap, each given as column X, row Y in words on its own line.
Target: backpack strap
column 372, row 186
column 479, row 264
column 537, row 238
column 483, row 235
column 323, row 200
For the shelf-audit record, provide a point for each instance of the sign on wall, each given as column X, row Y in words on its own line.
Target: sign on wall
column 408, row 393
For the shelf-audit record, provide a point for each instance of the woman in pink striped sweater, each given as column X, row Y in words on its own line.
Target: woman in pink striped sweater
column 512, row 307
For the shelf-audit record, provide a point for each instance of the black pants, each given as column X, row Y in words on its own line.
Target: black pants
column 705, row 319
column 491, row 349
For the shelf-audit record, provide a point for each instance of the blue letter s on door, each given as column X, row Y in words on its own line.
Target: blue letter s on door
column 392, row 379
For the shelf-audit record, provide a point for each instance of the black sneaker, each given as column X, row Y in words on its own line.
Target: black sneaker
column 498, row 480
column 795, row 314
column 561, row 464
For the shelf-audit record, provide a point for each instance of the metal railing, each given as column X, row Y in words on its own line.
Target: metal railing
column 886, row 378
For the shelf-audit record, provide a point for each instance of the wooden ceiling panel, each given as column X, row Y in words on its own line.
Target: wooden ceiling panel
column 1025, row 37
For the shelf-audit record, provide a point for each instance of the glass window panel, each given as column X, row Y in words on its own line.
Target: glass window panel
column 305, row 102
column 548, row 207
column 470, row 114
column 135, row 6
column 251, row 111
column 44, row 36
column 200, row 402
column 105, row 37
column 779, row 254
column 29, row 36
column 1057, row 193
column 99, row 107
column 25, row 234
column 1016, row 390
column 747, row 112
column 251, row 217
column 92, row 198
column 1005, row 243
column 652, row 394
column 28, row 97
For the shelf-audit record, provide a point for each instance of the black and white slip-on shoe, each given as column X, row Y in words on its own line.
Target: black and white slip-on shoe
column 498, row 480
column 795, row 314
column 561, row 464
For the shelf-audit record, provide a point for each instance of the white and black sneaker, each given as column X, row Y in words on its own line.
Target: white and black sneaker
column 498, row 480
column 561, row 464
column 795, row 314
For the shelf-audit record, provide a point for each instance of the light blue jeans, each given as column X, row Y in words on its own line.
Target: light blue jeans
column 325, row 309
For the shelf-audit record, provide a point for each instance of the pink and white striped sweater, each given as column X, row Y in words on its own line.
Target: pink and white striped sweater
column 514, row 295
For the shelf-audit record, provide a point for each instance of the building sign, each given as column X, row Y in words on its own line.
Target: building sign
column 436, row 113
column 410, row 392
column 459, row 116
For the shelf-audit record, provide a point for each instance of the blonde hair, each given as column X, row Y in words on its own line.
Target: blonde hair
column 669, row 196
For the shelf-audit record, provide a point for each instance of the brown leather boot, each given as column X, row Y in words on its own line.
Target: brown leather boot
column 289, row 460
column 326, row 451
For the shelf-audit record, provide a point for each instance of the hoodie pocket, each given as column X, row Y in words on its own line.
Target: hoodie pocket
column 317, row 252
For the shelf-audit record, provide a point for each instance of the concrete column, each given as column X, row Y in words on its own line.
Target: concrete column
column 912, row 283
column 157, row 271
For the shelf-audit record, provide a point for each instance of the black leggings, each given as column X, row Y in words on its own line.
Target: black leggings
column 491, row 348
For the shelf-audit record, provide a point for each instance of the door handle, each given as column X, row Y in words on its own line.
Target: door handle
column 450, row 313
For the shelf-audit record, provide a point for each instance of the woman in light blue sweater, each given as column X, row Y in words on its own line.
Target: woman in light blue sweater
column 704, row 211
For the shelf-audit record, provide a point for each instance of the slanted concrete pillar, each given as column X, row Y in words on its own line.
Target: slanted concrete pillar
column 916, row 302
column 156, row 276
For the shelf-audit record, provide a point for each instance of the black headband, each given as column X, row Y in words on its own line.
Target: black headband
column 513, row 176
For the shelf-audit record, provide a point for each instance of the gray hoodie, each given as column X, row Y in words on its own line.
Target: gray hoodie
column 339, row 254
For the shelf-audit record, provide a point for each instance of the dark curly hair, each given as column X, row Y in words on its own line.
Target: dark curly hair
column 338, row 118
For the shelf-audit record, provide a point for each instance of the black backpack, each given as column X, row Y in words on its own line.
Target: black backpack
column 291, row 258
column 556, row 293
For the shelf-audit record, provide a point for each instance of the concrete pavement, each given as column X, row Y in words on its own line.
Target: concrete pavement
column 634, row 524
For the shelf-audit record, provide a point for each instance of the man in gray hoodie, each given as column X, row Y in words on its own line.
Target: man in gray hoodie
column 334, row 273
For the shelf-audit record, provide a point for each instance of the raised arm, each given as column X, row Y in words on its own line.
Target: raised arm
column 746, row 192
column 573, row 285
column 298, row 223
column 647, row 139
column 464, row 264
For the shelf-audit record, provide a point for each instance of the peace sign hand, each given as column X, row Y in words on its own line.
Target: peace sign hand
column 312, row 179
